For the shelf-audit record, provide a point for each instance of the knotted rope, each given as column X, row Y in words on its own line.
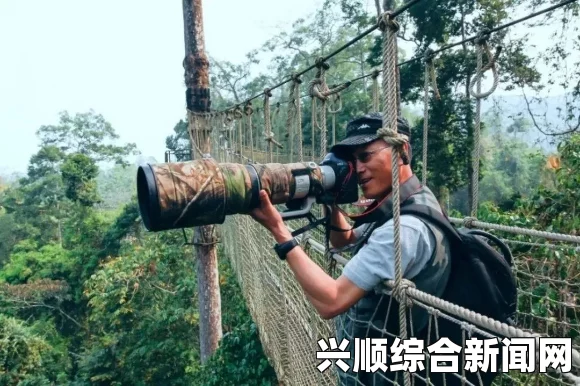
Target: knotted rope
column 248, row 110
column 268, row 134
column 293, row 122
column 429, row 79
column 389, row 133
column 337, row 100
column 318, row 89
column 239, row 115
column 482, row 45
column 376, row 94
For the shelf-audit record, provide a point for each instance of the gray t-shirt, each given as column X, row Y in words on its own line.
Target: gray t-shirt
column 375, row 262
column 425, row 261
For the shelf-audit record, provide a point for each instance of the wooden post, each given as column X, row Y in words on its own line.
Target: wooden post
column 197, row 97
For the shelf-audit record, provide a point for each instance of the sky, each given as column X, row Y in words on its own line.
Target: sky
column 122, row 59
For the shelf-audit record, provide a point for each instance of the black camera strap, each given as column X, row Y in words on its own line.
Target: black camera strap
column 313, row 224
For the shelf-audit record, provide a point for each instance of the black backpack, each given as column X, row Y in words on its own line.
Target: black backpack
column 481, row 278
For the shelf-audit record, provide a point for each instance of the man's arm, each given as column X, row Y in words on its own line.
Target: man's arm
column 340, row 239
column 330, row 297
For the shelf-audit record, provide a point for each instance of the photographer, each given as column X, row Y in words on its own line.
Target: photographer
column 354, row 296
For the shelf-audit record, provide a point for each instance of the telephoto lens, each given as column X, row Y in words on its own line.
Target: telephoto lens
column 204, row 192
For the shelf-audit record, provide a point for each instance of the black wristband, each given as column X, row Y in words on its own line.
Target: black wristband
column 283, row 249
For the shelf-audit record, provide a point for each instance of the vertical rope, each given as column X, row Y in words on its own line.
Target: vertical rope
column 248, row 110
column 476, row 132
column 299, row 118
column 376, row 96
column 290, row 120
column 429, row 78
column 313, row 124
column 267, row 123
column 239, row 115
column 425, row 120
column 481, row 42
column 337, row 100
column 293, row 123
column 318, row 89
column 389, row 28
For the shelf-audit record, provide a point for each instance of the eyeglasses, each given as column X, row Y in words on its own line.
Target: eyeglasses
column 365, row 156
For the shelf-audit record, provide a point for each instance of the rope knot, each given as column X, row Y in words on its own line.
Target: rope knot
column 392, row 137
column 468, row 222
column 269, row 137
column 320, row 63
column 268, row 92
column 481, row 41
column 296, row 78
column 483, row 36
column 400, row 292
column 387, row 20
column 428, row 56
column 375, row 73
column 248, row 109
column 238, row 112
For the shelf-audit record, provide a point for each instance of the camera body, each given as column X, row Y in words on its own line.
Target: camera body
column 338, row 185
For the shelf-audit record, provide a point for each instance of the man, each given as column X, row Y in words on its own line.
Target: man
column 358, row 295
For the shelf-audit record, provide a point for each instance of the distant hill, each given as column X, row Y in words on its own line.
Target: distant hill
column 511, row 107
column 550, row 111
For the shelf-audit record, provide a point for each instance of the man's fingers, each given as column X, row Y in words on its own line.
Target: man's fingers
column 264, row 197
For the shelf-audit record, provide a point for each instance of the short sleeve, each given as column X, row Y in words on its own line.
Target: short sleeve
column 375, row 261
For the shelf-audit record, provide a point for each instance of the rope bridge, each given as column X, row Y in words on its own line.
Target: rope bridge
column 291, row 330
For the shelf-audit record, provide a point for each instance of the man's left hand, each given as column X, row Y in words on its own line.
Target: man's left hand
column 267, row 214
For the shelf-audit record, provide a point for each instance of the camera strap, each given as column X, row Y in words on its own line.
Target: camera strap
column 313, row 224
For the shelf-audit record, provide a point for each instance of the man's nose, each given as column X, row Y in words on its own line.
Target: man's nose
column 360, row 167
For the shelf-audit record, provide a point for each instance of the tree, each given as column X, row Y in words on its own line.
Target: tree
column 85, row 133
column 451, row 119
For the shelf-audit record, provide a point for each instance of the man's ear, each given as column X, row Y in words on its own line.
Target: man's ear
column 405, row 156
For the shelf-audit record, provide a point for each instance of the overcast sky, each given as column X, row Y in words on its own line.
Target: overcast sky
column 121, row 58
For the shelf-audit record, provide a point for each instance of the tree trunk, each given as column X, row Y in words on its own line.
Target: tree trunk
column 197, row 97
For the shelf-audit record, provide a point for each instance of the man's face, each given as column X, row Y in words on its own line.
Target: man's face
column 374, row 170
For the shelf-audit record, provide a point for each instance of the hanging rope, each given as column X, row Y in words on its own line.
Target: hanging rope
column 482, row 45
column 293, row 120
column 389, row 134
column 238, row 115
column 429, row 79
column 248, row 110
column 337, row 100
column 376, row 95
column 319, row 90
column 268, row 134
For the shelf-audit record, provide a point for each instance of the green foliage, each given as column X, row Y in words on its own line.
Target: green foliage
column 27, row 262
column 79, row 173
column 142, row 316
column 557, row 207
column 22, row 354
column 239, row 359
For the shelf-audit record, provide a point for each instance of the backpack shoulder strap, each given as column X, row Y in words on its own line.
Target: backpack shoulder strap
column 427, row 213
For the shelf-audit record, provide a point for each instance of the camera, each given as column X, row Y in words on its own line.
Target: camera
column 203, row 192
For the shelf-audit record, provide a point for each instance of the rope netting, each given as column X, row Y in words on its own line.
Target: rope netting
column 546, row 264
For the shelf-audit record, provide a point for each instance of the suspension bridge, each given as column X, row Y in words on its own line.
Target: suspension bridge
column 290, row 328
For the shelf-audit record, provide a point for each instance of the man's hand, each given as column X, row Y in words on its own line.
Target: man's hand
column 267, row 215
column 330, row 297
